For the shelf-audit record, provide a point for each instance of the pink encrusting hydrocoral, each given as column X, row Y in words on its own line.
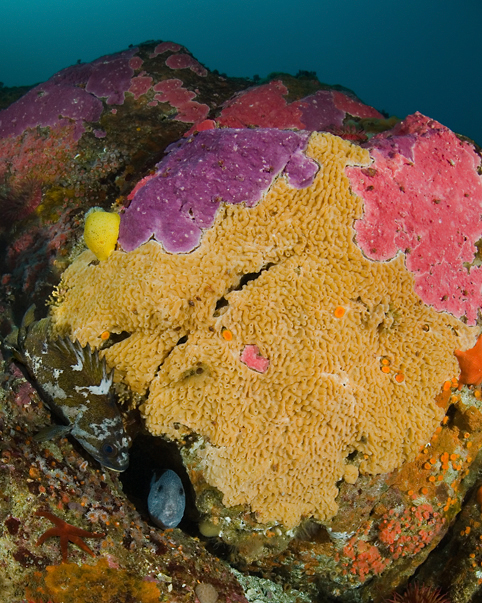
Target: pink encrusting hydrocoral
column 353, row 106
column 263, row 106
column 186, row 61
column 38, row 157
column 172, row 91
column 423, row 196
column 164, row 47
column 140, row 85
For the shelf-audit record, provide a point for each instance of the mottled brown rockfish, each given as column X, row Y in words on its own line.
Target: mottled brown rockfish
column 76, row 385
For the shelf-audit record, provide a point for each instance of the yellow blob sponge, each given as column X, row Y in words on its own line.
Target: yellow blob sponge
column 101, row 232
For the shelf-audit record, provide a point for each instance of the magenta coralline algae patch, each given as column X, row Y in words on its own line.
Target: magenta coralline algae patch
column 231, row 166
column 71, row 94
column 423, row 196
column 263, row 106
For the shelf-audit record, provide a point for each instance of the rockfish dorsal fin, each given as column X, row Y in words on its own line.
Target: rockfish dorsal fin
column 84, row 359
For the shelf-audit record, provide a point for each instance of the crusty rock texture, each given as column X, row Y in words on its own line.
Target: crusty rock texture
column 350, row 358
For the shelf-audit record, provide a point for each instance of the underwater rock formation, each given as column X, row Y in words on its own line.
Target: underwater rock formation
column 345, row 392
column 291, row 282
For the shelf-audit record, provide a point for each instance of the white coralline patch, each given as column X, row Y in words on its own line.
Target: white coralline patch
column 79, row 354
column 54, row 390
column 97, row 390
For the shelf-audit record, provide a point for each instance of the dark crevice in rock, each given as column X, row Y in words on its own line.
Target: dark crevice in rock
column 151, row 455
column 252, row 276
column 116, row 338
column 180, row 341
column 223, row 303
column 220, row 304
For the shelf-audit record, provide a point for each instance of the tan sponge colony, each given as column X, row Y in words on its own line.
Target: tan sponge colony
column 321, row 354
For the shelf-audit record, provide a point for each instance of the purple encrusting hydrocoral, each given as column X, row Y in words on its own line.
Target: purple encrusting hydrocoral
column 319, row 111
column 228, row 165
column 72, row 93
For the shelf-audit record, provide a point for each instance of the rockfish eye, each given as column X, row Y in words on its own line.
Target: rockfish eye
column 109, row 449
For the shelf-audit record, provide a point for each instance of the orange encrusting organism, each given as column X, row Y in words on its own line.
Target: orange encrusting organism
column 470, row 363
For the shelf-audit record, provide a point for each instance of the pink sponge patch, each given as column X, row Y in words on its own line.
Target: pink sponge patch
column 251, row 357
column 423, row 196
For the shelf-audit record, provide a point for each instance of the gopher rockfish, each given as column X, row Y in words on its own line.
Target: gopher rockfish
column 76, row 385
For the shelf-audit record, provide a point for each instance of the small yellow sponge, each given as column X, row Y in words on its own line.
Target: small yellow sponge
column 101, row 232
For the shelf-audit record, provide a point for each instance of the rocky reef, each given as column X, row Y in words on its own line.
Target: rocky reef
column 291, row 312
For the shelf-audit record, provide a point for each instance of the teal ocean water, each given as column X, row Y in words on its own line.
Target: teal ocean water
column 399, row 57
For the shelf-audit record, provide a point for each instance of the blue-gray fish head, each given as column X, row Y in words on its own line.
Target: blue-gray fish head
column 166, row 501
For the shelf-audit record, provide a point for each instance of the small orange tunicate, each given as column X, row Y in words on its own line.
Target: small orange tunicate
column 105, row 335
column 227, row 334
column 339, row 312
column 399, row 377
column 447, row 386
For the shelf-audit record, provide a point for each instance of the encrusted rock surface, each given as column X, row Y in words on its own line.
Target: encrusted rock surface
column 95, row 135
